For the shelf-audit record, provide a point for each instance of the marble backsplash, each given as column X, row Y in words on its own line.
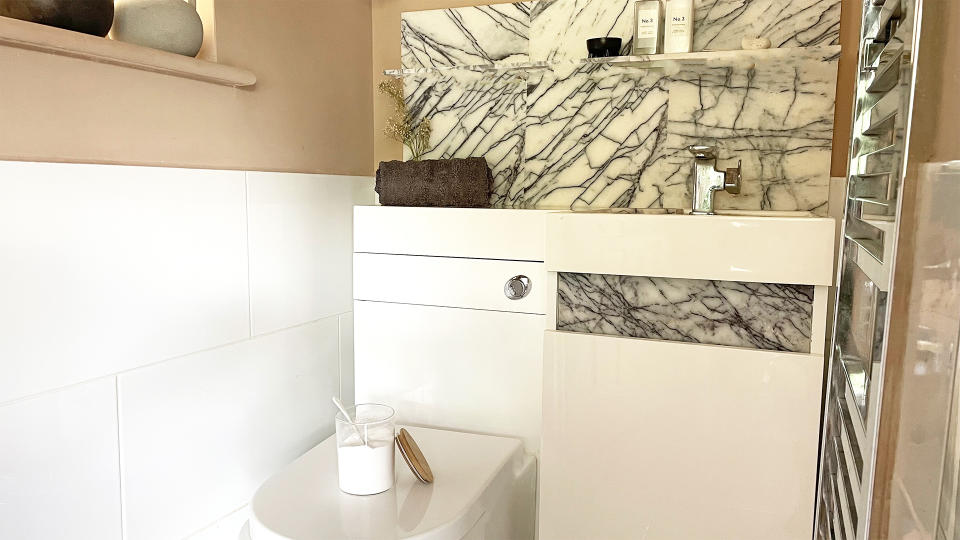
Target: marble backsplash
column 601, row 137
column 752, row 315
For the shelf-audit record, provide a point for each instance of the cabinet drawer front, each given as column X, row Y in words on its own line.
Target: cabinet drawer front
column 448, row 282
column 450, row 232
column 460, row 369
column 636, row 433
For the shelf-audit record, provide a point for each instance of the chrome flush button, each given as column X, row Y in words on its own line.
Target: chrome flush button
column 517, row 287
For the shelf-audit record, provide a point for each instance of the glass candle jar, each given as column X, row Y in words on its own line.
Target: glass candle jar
column 365, row 449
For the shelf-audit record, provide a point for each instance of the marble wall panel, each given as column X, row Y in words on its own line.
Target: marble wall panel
column 752, row 315
column 559, row 28
column 594, row 139
column 495, row 34
column 475, row 116
column 776, row 118
column 721, row 24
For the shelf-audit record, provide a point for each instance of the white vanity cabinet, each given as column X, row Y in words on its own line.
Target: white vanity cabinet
column 436, row 336
column 698, row 421
column 656, row 438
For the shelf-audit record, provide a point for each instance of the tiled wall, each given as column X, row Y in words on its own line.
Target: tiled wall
column 600, row 137
column 170, row 338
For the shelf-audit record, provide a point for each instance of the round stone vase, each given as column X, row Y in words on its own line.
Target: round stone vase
column 168, row 25
column 87, row 16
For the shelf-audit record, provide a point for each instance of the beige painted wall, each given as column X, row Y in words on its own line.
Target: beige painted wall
column 386, row 55
column 309, row 112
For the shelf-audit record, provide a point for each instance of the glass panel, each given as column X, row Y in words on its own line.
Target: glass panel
column 924, row 448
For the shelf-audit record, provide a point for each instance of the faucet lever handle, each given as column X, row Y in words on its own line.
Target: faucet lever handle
column 731, row 180
column 703, row 152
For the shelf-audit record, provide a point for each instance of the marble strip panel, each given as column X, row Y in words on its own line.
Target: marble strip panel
column 751, row 315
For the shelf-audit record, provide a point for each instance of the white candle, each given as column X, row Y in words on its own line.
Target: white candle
column 366, row 469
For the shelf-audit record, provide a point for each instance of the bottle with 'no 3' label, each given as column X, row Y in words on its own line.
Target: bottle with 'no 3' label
column 648, row 27
column 678, row 34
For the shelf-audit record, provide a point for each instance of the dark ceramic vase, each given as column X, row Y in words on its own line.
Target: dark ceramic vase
column 87, row 16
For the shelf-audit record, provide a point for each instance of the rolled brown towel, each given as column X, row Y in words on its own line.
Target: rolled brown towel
column 455, row 183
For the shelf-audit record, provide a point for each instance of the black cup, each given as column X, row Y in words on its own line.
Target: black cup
column 603, row 47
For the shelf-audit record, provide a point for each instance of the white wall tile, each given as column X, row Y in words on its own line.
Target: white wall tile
column 226, row 528
column 301, row 245
column 346, row 359
column 198, row 434
column 106, row 268
column 59, row 472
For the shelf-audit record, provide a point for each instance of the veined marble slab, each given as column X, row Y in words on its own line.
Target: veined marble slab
column 777, row 119
column 495, row 34
column 752, row 315
column 482, row 115
column 721, row 24
column 559, row 28
column 594, row 139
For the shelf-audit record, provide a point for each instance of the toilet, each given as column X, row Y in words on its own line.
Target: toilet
column 440, row 337
column 484, row 488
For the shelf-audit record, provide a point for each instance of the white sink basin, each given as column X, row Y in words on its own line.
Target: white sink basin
column 765, row 213
column 765, row 247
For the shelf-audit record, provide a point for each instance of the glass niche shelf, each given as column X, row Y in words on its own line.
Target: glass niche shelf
column 652, row 61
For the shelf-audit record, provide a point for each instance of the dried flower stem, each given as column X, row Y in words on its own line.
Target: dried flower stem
column 403, row 127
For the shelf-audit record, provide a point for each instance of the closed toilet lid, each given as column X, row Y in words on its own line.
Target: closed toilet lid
column 304, row 502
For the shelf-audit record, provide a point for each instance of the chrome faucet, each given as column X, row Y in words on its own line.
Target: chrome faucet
column 707, row 179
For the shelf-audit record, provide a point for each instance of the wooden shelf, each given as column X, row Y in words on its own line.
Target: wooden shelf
column 651, row 61
column 36, row 37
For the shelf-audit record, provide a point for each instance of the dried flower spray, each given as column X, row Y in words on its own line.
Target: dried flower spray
column 403, row 127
